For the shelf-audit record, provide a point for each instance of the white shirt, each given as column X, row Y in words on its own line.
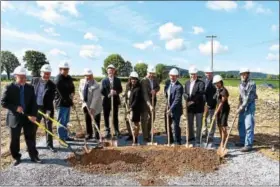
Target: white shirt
column 191, row 86
column 151, row 84
column 111, row 80
column 169, row 91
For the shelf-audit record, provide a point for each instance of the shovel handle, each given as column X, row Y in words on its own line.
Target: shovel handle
column 54, row 121
column 225, row 145
column 152, row 129
column 130, row 125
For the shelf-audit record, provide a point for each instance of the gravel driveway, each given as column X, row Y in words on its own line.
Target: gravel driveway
column 240, row 169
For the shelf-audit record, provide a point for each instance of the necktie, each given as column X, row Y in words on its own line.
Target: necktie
column 86, row 92
column 21, row 92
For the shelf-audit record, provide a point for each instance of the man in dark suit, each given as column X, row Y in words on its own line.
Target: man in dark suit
column 45, row 91
column 111, row 87
column 150, row 87
column 210, row 91
column 173, row 91
column 19, row 98
column 194, row 91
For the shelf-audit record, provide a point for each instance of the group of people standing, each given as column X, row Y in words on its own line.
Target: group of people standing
column 206, row 97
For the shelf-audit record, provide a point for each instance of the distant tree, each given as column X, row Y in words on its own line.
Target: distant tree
column 223, row 75
column 34, row 61
column 126, row 69
column 117, row 61
column 268, row 77
column 8, row 62
column 141, row 69
column 160, row 69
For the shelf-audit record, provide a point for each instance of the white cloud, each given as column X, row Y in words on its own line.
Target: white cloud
column 144, row 45
column 249, row 5
column 261, row 10
column 90, row 36
column 91, row 51
column 274, row 27
column 221, row 5
column 11, row 34
column 205, row 49
column 197, row 30
column 51, row 31
column 175, row 45
column 57, row 52
column 5, row 5
column 274, row 47
column 272, row 57
column 169, row 31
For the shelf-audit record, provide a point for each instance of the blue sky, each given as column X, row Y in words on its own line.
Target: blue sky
column 174, row 33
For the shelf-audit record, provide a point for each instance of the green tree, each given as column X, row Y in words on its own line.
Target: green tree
column 8, row 62
column 141, row 69
column 116, row 60
column 34, row 61
column 160, row 71
column 126, row 69
column 223, row 75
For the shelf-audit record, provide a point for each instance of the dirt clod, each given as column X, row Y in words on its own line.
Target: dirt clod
column 156, row 161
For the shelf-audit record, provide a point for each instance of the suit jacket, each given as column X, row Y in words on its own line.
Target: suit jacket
column 146, row 91
column 175, row 98
column 210, row 91
column 135, row 98
column 106, row 88
column 196, row 96
column 11, row 100
column 49, row 92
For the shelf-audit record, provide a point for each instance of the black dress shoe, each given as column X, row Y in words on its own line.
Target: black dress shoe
column 191, row 139
column 118, row 135
column 69, row 139
column 17, row 162
column 52, row 149
column 108, row 136
column 88, row 137
column 129, row 138
column 36, row 160
column 239, row 144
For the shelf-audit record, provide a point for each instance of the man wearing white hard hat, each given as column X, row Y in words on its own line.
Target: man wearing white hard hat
column 111, row 87
column 90, row 95
column 210, row 103
column 246, row 110
column 45, row 91
column 150, row 87
column 64, row 94
column 173, row 92
column 20, row 101
column 193, row 94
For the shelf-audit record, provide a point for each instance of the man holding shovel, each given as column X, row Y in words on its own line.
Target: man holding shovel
column 173, row 92
column 20, row 100
column 111, row 87
column 64, row 94
column 45, row 91
column 149, row 88
column 246, row 110
column 90, row 95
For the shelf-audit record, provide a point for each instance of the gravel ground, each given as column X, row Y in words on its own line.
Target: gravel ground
column 240, row 169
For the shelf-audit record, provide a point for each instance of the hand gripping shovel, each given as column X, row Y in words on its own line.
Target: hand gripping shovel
column 55, row 122
column 130, row 125
column 101, row 142
column 153, row 117
column 223, row 151
column 78, row 156
column 187, row 128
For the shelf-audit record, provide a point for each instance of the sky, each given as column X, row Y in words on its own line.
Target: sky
column 84, row 33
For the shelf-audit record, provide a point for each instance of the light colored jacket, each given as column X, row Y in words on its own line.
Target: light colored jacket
column 94, row 95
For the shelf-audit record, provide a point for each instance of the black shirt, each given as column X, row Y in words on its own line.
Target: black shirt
column 223, row 92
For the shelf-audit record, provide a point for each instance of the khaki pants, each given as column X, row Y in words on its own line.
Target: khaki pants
column 146, row 122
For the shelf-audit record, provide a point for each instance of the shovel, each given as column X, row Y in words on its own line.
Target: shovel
column 223, row 151
column 54, row 121
column 130, row 125
column 211, row 126
column 78, row 156
column 114, row 140
column 152, row 129
column 203, row 125
column 187, row 128
column 168, row 126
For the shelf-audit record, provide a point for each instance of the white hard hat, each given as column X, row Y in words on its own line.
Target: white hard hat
column 111, row 66
column 208, row 70
column 64, row 65
column 151, row 69
column 173, row 71
column 217, row 78
column 134, row 74
column 46, row 68
column 20, row 70
column 193, row 70
column 244, row 70
column 87, row 71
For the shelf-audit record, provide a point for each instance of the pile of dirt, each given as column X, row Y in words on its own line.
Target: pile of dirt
column 154, row 161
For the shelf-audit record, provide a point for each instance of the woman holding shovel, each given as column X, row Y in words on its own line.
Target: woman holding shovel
column 223, row 108
column 135, row 99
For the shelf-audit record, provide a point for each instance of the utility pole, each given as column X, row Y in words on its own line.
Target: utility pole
column 212, row 53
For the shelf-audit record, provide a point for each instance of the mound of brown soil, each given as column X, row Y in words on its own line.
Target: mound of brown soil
column 151, row 160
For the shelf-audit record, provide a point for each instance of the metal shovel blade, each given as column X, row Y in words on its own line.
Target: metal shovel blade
column 223, row 152
column 152, row 143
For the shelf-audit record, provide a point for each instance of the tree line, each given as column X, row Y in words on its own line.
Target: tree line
column 33, row 60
